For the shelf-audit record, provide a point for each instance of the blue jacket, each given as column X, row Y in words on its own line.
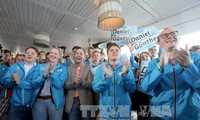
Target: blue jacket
column 3, row 70
column 134, row 64
column 174, row 87
column 22, row 93
column 58, row 78
column 114, row 90
column 68, row 62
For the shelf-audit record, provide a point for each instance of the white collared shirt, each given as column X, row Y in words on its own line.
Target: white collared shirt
column 27, row 67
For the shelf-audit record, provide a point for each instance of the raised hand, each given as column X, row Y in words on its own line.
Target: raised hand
column 77, row 79
column 131, row 47
column 52, row 65
column 183, row 57
column 16, row 78
column 107, row 71
column 163, row 58
column 125, row 68
column 47, row 69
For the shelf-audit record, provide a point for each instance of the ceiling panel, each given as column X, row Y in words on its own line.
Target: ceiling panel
column 170, row 7
column 58, row 4
column 135, row 14
column 74, row 22
column 90, row 30
column 69, row 40
column 83, row 8
column 69, row 22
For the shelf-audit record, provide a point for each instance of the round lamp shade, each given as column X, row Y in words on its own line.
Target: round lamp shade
column 110, row 15
column 42, row 40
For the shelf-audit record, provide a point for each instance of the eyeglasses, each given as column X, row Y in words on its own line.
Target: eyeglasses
column 164, row 36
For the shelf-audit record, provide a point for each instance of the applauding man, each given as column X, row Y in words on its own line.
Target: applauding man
column 113, row 81
column 173, row 78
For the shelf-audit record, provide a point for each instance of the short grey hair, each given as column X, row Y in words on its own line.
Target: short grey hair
column 194, row 48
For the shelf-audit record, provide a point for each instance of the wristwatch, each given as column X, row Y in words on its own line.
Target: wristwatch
column 160, row 68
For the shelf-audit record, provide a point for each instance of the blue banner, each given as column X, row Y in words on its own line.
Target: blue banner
column 140, row 39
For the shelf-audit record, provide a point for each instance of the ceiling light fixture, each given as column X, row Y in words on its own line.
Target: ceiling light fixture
column 110, row 15
column 42, row 39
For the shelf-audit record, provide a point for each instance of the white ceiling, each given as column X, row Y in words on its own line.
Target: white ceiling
column 20, row 19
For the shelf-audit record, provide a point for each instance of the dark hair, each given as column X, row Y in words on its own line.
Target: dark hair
column 90, row 48
column 194, row 48
column 140, row 56
column 67, row 56
column 41, row 52
column 18, row 56
column 112, row 44
column 48, row 53
column 96, row 52
column 75, row 47
column 1, row 46
column 6, row 51
column 34, row 48
column 78, row 49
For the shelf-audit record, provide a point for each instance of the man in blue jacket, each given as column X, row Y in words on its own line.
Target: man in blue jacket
column 114, row 81
column 174, row 80
column 19, row 77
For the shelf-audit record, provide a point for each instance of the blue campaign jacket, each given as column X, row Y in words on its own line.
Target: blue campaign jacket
column 174, row 86
column 58, row 78
column 22, row 93
column 3, row 70
column 134, row 64
column 105, row 86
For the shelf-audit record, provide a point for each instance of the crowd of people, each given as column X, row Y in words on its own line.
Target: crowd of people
column 39, row 86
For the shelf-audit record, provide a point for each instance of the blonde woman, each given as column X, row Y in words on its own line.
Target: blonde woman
column 49, row 97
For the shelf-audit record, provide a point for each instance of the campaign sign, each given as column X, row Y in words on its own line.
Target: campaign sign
column 140, row 39
column 123, row 34
column 144, row 39
column 143, row 68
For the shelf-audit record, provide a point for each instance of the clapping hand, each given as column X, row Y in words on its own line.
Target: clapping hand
column 50, row 67
column 16, row 78
column 125, row 68
column 77, row 79
column 107, row 71
column 183, row 57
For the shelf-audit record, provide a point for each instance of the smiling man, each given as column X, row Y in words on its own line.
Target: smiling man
column 78, row 87
column 173, row 79
column 19, row 77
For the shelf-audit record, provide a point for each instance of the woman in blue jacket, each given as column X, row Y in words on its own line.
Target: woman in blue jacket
column 19, row 77
column 48, row 100
column 114, row 81
column 174, row 80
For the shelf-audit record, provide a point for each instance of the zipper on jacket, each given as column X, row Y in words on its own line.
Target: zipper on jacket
column 22, row 90
column 114, row 95
column 175, row 93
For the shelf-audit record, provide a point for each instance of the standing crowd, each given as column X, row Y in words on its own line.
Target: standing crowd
column 40, row 86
